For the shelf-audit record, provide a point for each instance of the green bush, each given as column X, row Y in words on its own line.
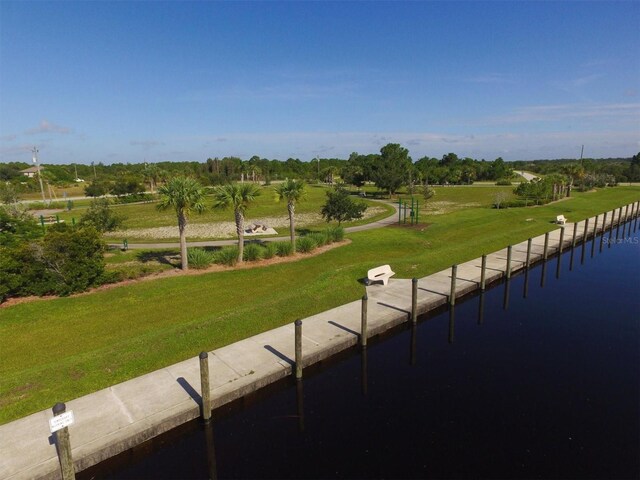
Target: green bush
column 321, row 238
column 306, row 244
column 270, row 250
column 335, row 234
column 503, row 182
column 135, row 198
column 283, row 249
column 252, row 252
column 227, row 256
column 199, row 258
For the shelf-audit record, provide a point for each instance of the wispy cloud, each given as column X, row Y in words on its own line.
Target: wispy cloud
column 48, row 127
column 8, row 138
column 554, row 113
column 146, row 143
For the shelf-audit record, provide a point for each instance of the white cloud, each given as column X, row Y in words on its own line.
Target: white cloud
column 48, row 127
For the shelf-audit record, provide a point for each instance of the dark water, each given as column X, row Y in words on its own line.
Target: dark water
column 546, row 386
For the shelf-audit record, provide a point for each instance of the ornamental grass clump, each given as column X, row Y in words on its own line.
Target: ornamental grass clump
column 321, row 238
column 199, row 258
column 306, row 244
column 227, row 256
column 270, row 250
column 284, row 249
column 335, row 234
column 253, row 252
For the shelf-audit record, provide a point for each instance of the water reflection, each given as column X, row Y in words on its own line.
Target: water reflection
column 505, row 302
column 543, row 274
column 481, row 308
column 364, row 368
column 525, row 289
column 300, row 404
column 212, row 468
column 413, row 355
column 452, row 320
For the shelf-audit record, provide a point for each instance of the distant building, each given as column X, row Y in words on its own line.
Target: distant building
column 30, row 172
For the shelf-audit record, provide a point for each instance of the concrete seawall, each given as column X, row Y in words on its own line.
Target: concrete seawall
column 117, row 418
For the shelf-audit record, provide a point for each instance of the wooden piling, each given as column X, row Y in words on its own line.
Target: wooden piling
column 414, row 300
column 575, row 232
column 363, row 321
column 545, row 251
column 528, row 252
column 452, row 295
column 483, row 272
column 561, row 240
column 298, row 347
column 63, row 443
column 204, row 386
column 508, row 271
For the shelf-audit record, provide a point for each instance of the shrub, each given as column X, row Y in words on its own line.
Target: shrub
column 335, row 234
column 270, row 250
column 135, row 198
column 252, row 252
column 199, row 258
column 283, row 249
column 227, row 256
column 306, row 244
column 321, row 238
column 503, row 182
column 100, row 216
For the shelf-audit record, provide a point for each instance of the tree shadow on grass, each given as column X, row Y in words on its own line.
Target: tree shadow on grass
column 165, row 257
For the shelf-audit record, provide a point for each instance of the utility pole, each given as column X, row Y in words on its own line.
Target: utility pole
column 318, row 161
column 94, row 170
column 35, row 160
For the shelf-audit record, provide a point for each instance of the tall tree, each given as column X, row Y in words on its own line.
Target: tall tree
column 392, row 167
column 340, row 207
column 184, row 195
column 238, row 196
column 292, row 191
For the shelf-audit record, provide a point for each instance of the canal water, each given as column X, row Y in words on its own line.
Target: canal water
column 537, row 378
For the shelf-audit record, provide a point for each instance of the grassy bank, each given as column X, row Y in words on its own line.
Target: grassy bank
column 56, row 350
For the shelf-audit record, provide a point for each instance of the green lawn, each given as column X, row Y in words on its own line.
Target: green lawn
column 146, row 215
column 56, row 350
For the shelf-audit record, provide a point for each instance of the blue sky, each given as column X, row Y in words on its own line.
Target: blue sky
column 129, row 82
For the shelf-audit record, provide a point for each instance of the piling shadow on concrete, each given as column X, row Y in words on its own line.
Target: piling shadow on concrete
column 190, row 390
column 280, row 355
column 346, row 329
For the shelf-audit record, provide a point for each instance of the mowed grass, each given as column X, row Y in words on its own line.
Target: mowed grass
column 146, row 215
column 56, row 350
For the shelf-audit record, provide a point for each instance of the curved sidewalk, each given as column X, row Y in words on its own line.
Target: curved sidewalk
column 391, row 219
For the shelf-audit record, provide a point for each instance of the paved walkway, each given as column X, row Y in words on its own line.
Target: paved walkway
column 117, row 418
column 221, row 243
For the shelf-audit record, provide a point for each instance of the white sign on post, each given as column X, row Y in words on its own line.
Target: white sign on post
column 60, row 421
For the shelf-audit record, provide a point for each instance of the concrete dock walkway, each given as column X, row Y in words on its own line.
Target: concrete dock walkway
column 117, row 418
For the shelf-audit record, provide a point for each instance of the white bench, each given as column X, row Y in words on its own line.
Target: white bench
column 380, row 273
column 560, row 220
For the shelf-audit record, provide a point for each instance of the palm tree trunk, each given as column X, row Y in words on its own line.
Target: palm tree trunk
column 292, row 230
column 240, row 232
column 182, row 224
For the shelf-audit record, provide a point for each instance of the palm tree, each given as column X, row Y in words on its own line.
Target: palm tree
column 183, row 194
column 238, row 196
column 292, row 191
